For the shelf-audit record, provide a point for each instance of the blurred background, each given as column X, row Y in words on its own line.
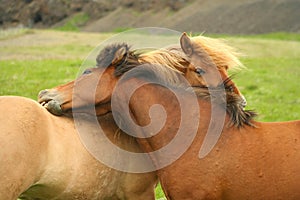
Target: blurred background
column 197, row 16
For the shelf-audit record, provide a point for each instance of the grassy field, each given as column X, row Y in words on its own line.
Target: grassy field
column 32, row 60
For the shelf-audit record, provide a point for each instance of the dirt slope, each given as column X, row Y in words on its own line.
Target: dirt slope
column 210, row 16
column 217, row 16
column 231, row 16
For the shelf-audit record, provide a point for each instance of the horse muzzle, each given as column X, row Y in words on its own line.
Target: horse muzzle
column 50, row 100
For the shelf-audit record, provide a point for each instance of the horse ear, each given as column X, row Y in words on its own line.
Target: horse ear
column 186, row 44
column 119, row 56
column 114, row 54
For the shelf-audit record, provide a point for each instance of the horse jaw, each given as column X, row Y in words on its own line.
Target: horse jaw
column 48, row 99
column 53, row 107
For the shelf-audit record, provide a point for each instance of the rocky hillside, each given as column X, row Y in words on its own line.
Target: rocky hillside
column 211, row 16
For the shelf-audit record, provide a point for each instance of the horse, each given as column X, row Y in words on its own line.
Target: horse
column 42, row 157
column 256, row 160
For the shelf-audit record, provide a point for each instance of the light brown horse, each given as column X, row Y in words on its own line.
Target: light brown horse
column 42, row 157
column 254, row 161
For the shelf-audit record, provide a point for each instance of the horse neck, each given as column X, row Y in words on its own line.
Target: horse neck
column 160, row 131
column 116, row 135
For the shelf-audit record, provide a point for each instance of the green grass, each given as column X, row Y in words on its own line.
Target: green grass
column 159, row 194
column 74, row 23
column 270, row 83
column 27, row 78
column 271, row 87
column 121, row 29
column 277, row 36
column 269, row 36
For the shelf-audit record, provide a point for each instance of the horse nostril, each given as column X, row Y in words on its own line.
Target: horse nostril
column 42, row 93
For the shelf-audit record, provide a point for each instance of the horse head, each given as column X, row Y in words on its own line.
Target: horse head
column 210, row 59
column 87, row 91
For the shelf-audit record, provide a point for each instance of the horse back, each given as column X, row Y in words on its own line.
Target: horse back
column 264, row 159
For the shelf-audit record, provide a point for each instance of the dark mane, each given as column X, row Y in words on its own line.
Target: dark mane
column 235, row 108
column 131, row 61
column 234, row 103
column 106, row 56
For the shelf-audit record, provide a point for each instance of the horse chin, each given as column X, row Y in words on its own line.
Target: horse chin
column 53, row 107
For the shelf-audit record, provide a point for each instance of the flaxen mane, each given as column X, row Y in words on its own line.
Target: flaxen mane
column 171, row 58
column 223, row 55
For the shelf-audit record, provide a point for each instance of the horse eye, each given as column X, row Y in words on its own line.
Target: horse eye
column 200, row 71
column 87, row 71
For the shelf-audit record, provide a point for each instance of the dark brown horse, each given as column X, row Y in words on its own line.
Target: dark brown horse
column 253, row 161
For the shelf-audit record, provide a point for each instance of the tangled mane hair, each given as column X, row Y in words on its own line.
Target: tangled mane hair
column 234, row 106
column 107, row 55
column 232, row 102
column 169, row 58
column 223, row 55
column 172, row 58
